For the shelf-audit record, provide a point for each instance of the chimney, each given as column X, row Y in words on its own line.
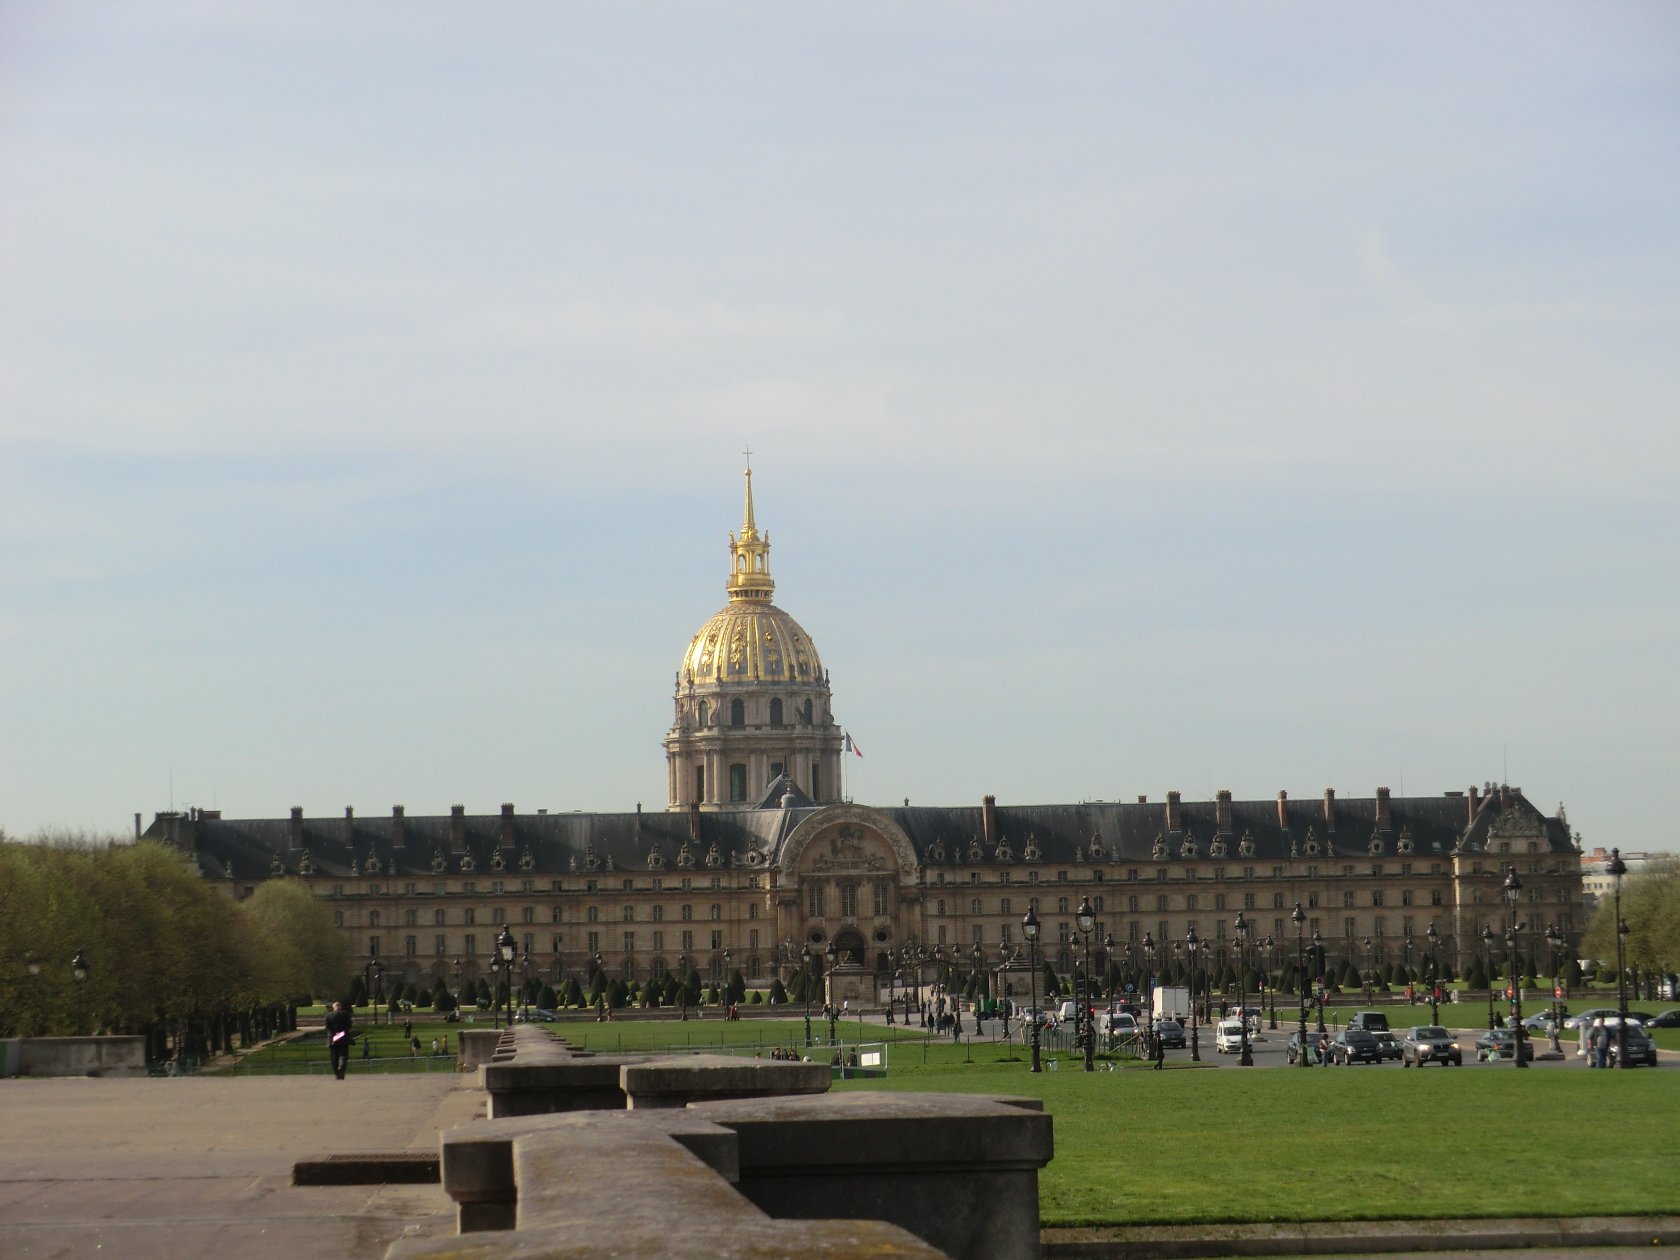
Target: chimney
column 1384, row 817
column 399, row 827
column 349, row 825
column 457, row 828
column 1475, row 797
column 137, row 826
column 1222, row 812
column 694, row 820
column 1283, row 810
column 296, row 836
column 1504, row 796
column 1173, row 825
column 1143, row 800
column 507, row 824
column 1330, row 809
column 988, row 820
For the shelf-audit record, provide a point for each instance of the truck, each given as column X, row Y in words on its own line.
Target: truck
column 1172, row 1002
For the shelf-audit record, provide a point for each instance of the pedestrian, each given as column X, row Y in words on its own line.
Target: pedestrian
column 1160, row 1051
column 1598, row 1043
column 367, row 1047
column 1324, row 1049
column 338, row 1038
column 408, row 1028
column 414, row 1046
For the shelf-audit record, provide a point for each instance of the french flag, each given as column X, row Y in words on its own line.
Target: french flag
column 851, row 745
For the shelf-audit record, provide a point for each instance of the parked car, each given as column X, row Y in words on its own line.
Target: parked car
column 1354, row 1045
column 1539, row 1024
column 1501, row 1044
column 1641, row 1050
column 1586, row 1017
column 1171, row 1033
column 1430, row 1043
column 1293, row 1049
column 1370, row 1021
column 1668, row 1019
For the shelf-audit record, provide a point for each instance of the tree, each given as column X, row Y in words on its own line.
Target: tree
column 778, row 992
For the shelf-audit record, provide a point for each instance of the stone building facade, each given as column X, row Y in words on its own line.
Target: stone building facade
column 757, row 856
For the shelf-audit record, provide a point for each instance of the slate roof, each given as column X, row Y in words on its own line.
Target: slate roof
column 556, row 844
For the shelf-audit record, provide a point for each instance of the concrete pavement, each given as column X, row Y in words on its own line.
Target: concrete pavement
column 201, row 1166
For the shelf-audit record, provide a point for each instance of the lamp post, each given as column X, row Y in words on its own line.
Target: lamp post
column 1149, row 990
column 1300, row 918
column 504, row 958
column 1005, row 990
column 1193, row 944
column 1434, row 975
column 1513, row 932
column 805, row 987
column 728, row 980
column 1318, row 961
column 1271, row 982
column 1616, row 869
column 979, row 971
column 1029, row 929
column 373, row 976
column 1487, row 969
column 524, row 981
column 830, row 956
column 1085, row 919
column 1246, row 1059
column 682, row 986
column 79, row 969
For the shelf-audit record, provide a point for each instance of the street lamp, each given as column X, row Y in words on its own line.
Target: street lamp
column 373, row 976
column 1247, row 1057
column 1487, row 969
column 682, row 985
column 79, row 969
column 1085, row 919
column 1616, row 870
column 1300, row 918
column 805, row 986
column 1029, row 929
column 1318, row 961
column 1556, row 940
column 1513, row 886
column 1193, row 943
column 1149, row 988
column 1271, row 980
column 505, row 950
column 831, row 956
column 1434, row 976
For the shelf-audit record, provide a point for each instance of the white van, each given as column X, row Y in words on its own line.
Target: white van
column 1228, row 1036
column 1068, row 1013
column 1118, row 1024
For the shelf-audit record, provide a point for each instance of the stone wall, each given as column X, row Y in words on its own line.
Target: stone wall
column 73, row 1056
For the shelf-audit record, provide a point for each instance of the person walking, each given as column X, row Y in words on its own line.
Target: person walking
column 1160, row 1052
column 338, row 1038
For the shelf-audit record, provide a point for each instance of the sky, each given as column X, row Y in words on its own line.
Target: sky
column 1141, row 397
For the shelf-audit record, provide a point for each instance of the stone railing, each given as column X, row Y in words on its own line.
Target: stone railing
column 73, row 1056
column 710, row 1155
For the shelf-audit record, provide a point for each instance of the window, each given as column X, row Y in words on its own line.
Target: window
column 1061, row 905
column 1190, row 902
column 554, row 943
column 717, row 912
column 338, row 918
column 495, row 885
column 717, row 940
column 528, row 915
column 1277, row 901
column 629, row 914
column 1376, row 898
column 752, row 939
column 592, row 942
column 776, row 711
column 1248, row 901
column 469, row 944
column 704, row 713
column 752, row 910
column 437, row 918
column 658, row 942
column 1347, row 927
column 591, row 915
column 1219, row 901
column 1434, row 896
column 687, row 912
column 1061, row 877
column 1312, row 901
column 629, row 885
column 938, row 909
column 469, row 916
column 411, row 945
column 440, row 945
column 814, row 901
column 737, row 713
column 848, row 900
column 410, row 917
column 883, row 898
column 1132, row 904
column 1347, row 898
column 737, row 780
column 498, row 915
column 658, row 914
column 688, row 940
column 1161, row 906
column 699, row 783
column 1003, row 908
column 974, row 906
column 629, row 942
column 373, row 918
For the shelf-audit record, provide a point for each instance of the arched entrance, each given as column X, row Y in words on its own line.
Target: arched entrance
column 849, row 947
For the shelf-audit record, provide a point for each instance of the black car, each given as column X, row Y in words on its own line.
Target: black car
column 1500, row 1044
column 1668, row 1019
column 1293, row 1049
column 1355, row 1045
column 1641, row 1050
column 1171, row 1033
column 1430, row 1043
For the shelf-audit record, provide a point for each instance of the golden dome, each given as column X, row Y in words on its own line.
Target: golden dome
column 750, row 642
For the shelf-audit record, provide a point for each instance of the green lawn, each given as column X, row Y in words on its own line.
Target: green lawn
column 1203, row 1145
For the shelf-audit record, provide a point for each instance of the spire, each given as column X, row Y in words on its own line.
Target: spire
column 749, row 555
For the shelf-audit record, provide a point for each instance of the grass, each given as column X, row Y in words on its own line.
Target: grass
column 1206, row 1146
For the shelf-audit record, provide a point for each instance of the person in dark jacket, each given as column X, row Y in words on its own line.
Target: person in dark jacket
column 338, row 1038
